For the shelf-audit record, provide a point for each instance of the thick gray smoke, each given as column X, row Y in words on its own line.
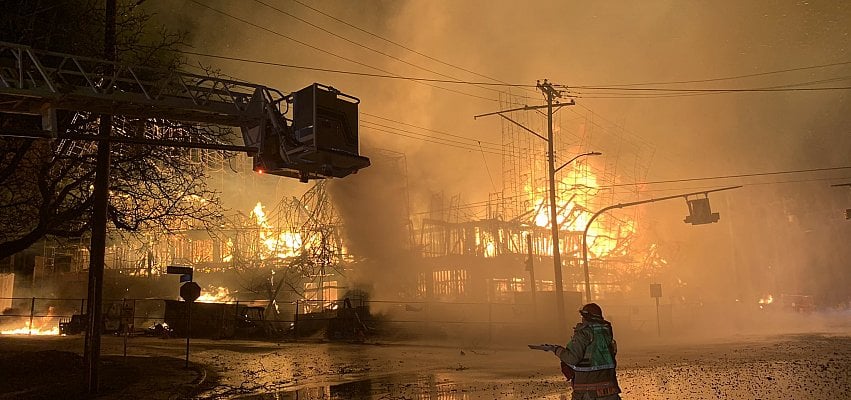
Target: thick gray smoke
column 374, row 210
column 781, row 233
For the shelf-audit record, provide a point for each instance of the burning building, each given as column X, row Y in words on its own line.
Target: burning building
column 361, row 233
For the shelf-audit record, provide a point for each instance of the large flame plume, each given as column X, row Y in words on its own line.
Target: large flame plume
column 575, row 204
column 276, row 243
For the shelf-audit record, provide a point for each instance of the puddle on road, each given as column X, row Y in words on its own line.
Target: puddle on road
column 420, row 387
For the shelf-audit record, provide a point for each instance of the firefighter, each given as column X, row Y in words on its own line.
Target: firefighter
column 590, row 357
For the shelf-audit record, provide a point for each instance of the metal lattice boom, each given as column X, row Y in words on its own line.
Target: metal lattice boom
column 36, row 82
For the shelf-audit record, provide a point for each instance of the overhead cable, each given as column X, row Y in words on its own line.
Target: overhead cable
column 423, row 82
column 341, row 37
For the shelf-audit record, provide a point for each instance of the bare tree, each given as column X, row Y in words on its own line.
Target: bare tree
column 297, row 242
column 46, row 185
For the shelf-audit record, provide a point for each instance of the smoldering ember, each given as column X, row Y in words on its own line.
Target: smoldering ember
column 453, row 200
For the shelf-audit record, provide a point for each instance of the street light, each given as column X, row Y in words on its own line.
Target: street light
column 554, row 224
column 551, row 93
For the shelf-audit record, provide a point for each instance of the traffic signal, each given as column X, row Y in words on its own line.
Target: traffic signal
column 700, row 212
column 848, row 213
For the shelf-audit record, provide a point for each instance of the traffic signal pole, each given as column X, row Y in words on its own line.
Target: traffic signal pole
column 588, row 297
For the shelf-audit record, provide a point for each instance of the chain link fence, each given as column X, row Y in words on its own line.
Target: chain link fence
column 302, row 319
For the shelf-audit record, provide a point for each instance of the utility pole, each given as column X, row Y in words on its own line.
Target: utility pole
column 40, row 88
column 530, row 266
column 99, row 210
column 550, row 93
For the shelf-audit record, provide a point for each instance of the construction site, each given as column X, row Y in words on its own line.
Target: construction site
column 307, row 254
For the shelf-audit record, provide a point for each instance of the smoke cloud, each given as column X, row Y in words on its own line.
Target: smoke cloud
column 781, row 233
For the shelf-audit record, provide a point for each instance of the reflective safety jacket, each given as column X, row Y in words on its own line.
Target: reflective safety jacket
column 591, row 354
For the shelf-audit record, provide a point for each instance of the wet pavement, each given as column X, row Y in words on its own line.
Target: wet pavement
column 765, row 366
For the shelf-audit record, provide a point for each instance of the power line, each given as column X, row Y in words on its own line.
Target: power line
column 483, row 203
column 472, row 141
column 728, row 90
column 730, row 176
column 732, row 77
column 396, row 76
column 427, row 129
column 346, row 72
column 420, row 136
column 423, row 82
column 703, row 92
column 525, row 86
column 363, row 45
column 490, row 144
column 390, row 75
column 444, row 142
column 447, row 142
column 401, row 45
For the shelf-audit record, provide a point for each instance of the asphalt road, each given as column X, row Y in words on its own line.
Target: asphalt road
column 801, row 365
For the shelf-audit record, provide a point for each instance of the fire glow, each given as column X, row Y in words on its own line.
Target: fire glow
column 574, row 212
column 34, row 330
column 215, row 294
column 274, row 242
column 766, row 301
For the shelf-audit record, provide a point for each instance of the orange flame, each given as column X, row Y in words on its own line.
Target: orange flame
column 765, row 301
column 35, row 330
column 276, row 243
column 574, row 212
column 215, row 294
column 41, row 325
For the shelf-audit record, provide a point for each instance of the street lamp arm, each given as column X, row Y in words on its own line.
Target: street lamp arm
column 590, row 153
column 521, row 125
column 526, row 108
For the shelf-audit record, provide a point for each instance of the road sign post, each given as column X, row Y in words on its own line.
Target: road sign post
column 189, row 291
column 656, row 293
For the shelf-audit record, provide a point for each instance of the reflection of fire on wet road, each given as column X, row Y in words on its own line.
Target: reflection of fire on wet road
column 766, row 367
column 754, row 366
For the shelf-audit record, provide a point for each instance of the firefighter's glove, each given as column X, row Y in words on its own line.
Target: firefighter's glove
column 568, row 372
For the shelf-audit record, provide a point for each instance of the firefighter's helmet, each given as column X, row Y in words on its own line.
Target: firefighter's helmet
column 591, row 310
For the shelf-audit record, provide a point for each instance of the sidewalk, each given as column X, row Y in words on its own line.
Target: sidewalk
column 31, row 372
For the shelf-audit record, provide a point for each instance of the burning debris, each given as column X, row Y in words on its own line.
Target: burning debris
column 33, row 329
column 216, row 294
column 37, row 325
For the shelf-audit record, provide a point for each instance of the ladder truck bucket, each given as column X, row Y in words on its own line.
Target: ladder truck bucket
column 321, row 140
column 325, row 131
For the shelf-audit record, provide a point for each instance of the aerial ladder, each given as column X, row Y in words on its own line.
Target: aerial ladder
column 319, row 141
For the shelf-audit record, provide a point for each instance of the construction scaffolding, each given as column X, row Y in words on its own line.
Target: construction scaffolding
column 583, row 186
